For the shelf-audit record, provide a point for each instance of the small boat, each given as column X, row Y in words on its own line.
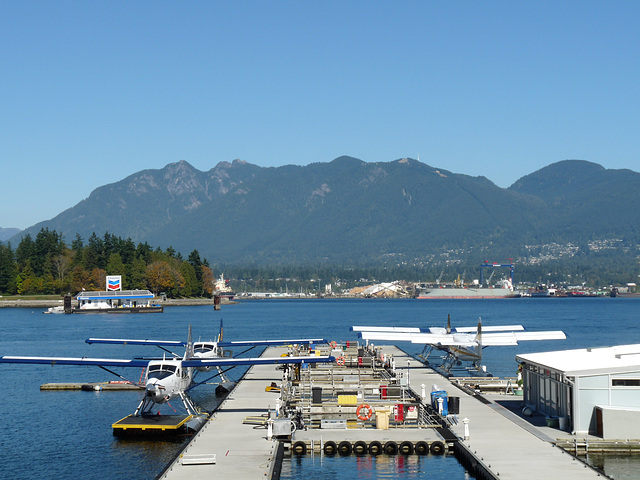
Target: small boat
column 55, row 310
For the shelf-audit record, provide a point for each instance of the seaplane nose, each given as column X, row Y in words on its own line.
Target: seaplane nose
column 155, row 392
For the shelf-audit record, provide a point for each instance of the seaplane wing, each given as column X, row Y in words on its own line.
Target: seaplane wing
column 512, row 338
column 260, row 343
column 464, row 339
column 386, row 335
column 221, row 362
column 437, row 330
column 171, row 343
column 125, row 341
column 112, row 362
column 103, row 362
column 386, row 329
column 490, row 328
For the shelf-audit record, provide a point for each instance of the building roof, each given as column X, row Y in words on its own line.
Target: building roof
column 107, row 295
column 588, row 361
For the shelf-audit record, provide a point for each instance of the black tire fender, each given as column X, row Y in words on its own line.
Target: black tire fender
column 345, row 448
column 391, row 448
column 299, row 448
column 360, row 447
column 375, row 448
column 437, row 448
column 405, row 448
column 330, row 448
column 421, row 448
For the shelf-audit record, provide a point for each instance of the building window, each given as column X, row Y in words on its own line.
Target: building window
column 625, row 382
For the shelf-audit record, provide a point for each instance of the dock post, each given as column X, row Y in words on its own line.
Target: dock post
column 465, row 421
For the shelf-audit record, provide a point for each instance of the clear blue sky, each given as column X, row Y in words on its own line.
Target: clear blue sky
column 95, row 91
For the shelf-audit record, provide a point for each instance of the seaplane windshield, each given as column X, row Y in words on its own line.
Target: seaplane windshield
column 202, row 347
column 161, row 371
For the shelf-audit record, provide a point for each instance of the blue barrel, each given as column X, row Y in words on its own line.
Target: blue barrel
column 434, row 401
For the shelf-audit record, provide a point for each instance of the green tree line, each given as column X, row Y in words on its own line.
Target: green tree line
column 47, row 265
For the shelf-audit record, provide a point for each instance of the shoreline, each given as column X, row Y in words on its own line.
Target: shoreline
column 52, row 302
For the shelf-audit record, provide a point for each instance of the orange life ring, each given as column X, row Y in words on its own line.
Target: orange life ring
column 340, row 360
column 366, row 414
column 333, row 344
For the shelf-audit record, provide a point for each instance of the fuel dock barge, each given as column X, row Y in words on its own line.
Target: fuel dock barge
column 371, row 401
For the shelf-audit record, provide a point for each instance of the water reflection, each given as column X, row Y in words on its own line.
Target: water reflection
column 624, row 466
column 369, row 467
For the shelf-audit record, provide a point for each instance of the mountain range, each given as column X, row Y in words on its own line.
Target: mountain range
column 348, row 211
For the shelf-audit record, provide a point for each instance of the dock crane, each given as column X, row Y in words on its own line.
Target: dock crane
column 486, row 264
column 490, row 277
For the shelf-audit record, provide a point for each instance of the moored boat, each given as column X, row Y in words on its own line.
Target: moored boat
column 222, row 288
column 121, row 301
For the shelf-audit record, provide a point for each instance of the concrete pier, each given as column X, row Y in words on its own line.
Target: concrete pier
column 500, row 444
column 226, row 447
column 488, row 438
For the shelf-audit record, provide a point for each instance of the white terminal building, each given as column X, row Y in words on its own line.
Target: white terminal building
column 590, row 391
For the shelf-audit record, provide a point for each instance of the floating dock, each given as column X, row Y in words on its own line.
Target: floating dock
column 226, row 447
column 92, row 386
column 155, row 425
column 246, row 437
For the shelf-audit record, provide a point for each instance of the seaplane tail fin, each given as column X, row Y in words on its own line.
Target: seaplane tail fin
column 479, row 339
column 219, row 339
column 189, row 351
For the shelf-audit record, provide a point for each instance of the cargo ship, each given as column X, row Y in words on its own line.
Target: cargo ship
column 460, row 291
column 222, row 288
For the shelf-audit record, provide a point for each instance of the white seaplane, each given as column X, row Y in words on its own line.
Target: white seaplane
column 461, row 344
column 171, row 378
column 213, row 349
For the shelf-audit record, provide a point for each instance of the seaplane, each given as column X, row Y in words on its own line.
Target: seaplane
column 461, row 344
column 213, row 349
column 172, row 377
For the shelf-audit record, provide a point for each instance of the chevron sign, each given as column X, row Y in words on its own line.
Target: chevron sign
column 114, row 282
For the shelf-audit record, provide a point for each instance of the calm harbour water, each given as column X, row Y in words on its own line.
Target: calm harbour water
column 68, row 434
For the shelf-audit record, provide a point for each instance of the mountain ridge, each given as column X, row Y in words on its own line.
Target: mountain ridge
column 348, row 210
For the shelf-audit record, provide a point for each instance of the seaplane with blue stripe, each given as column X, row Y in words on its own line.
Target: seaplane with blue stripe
column 172, row 376
column 461, row 344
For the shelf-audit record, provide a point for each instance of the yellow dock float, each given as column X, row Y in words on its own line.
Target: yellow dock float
column 92, row 386
column 164, row 425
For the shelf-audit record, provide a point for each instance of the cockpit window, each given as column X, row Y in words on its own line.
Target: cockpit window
column 161, row 371
column 202, row 347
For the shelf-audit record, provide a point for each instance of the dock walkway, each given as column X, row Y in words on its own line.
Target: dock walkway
column 240, row 451
column 507, row 446
column 501, row 444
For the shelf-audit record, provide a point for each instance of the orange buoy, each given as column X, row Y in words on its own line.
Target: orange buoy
column 364, row 412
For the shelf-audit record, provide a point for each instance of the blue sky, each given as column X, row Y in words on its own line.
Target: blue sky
column 96, row 91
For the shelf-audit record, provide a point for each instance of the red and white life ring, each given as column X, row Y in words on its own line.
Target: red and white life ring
column 340, row 360
column 364, row 412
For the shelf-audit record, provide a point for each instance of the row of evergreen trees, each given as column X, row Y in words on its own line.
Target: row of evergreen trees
column 46, row 265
